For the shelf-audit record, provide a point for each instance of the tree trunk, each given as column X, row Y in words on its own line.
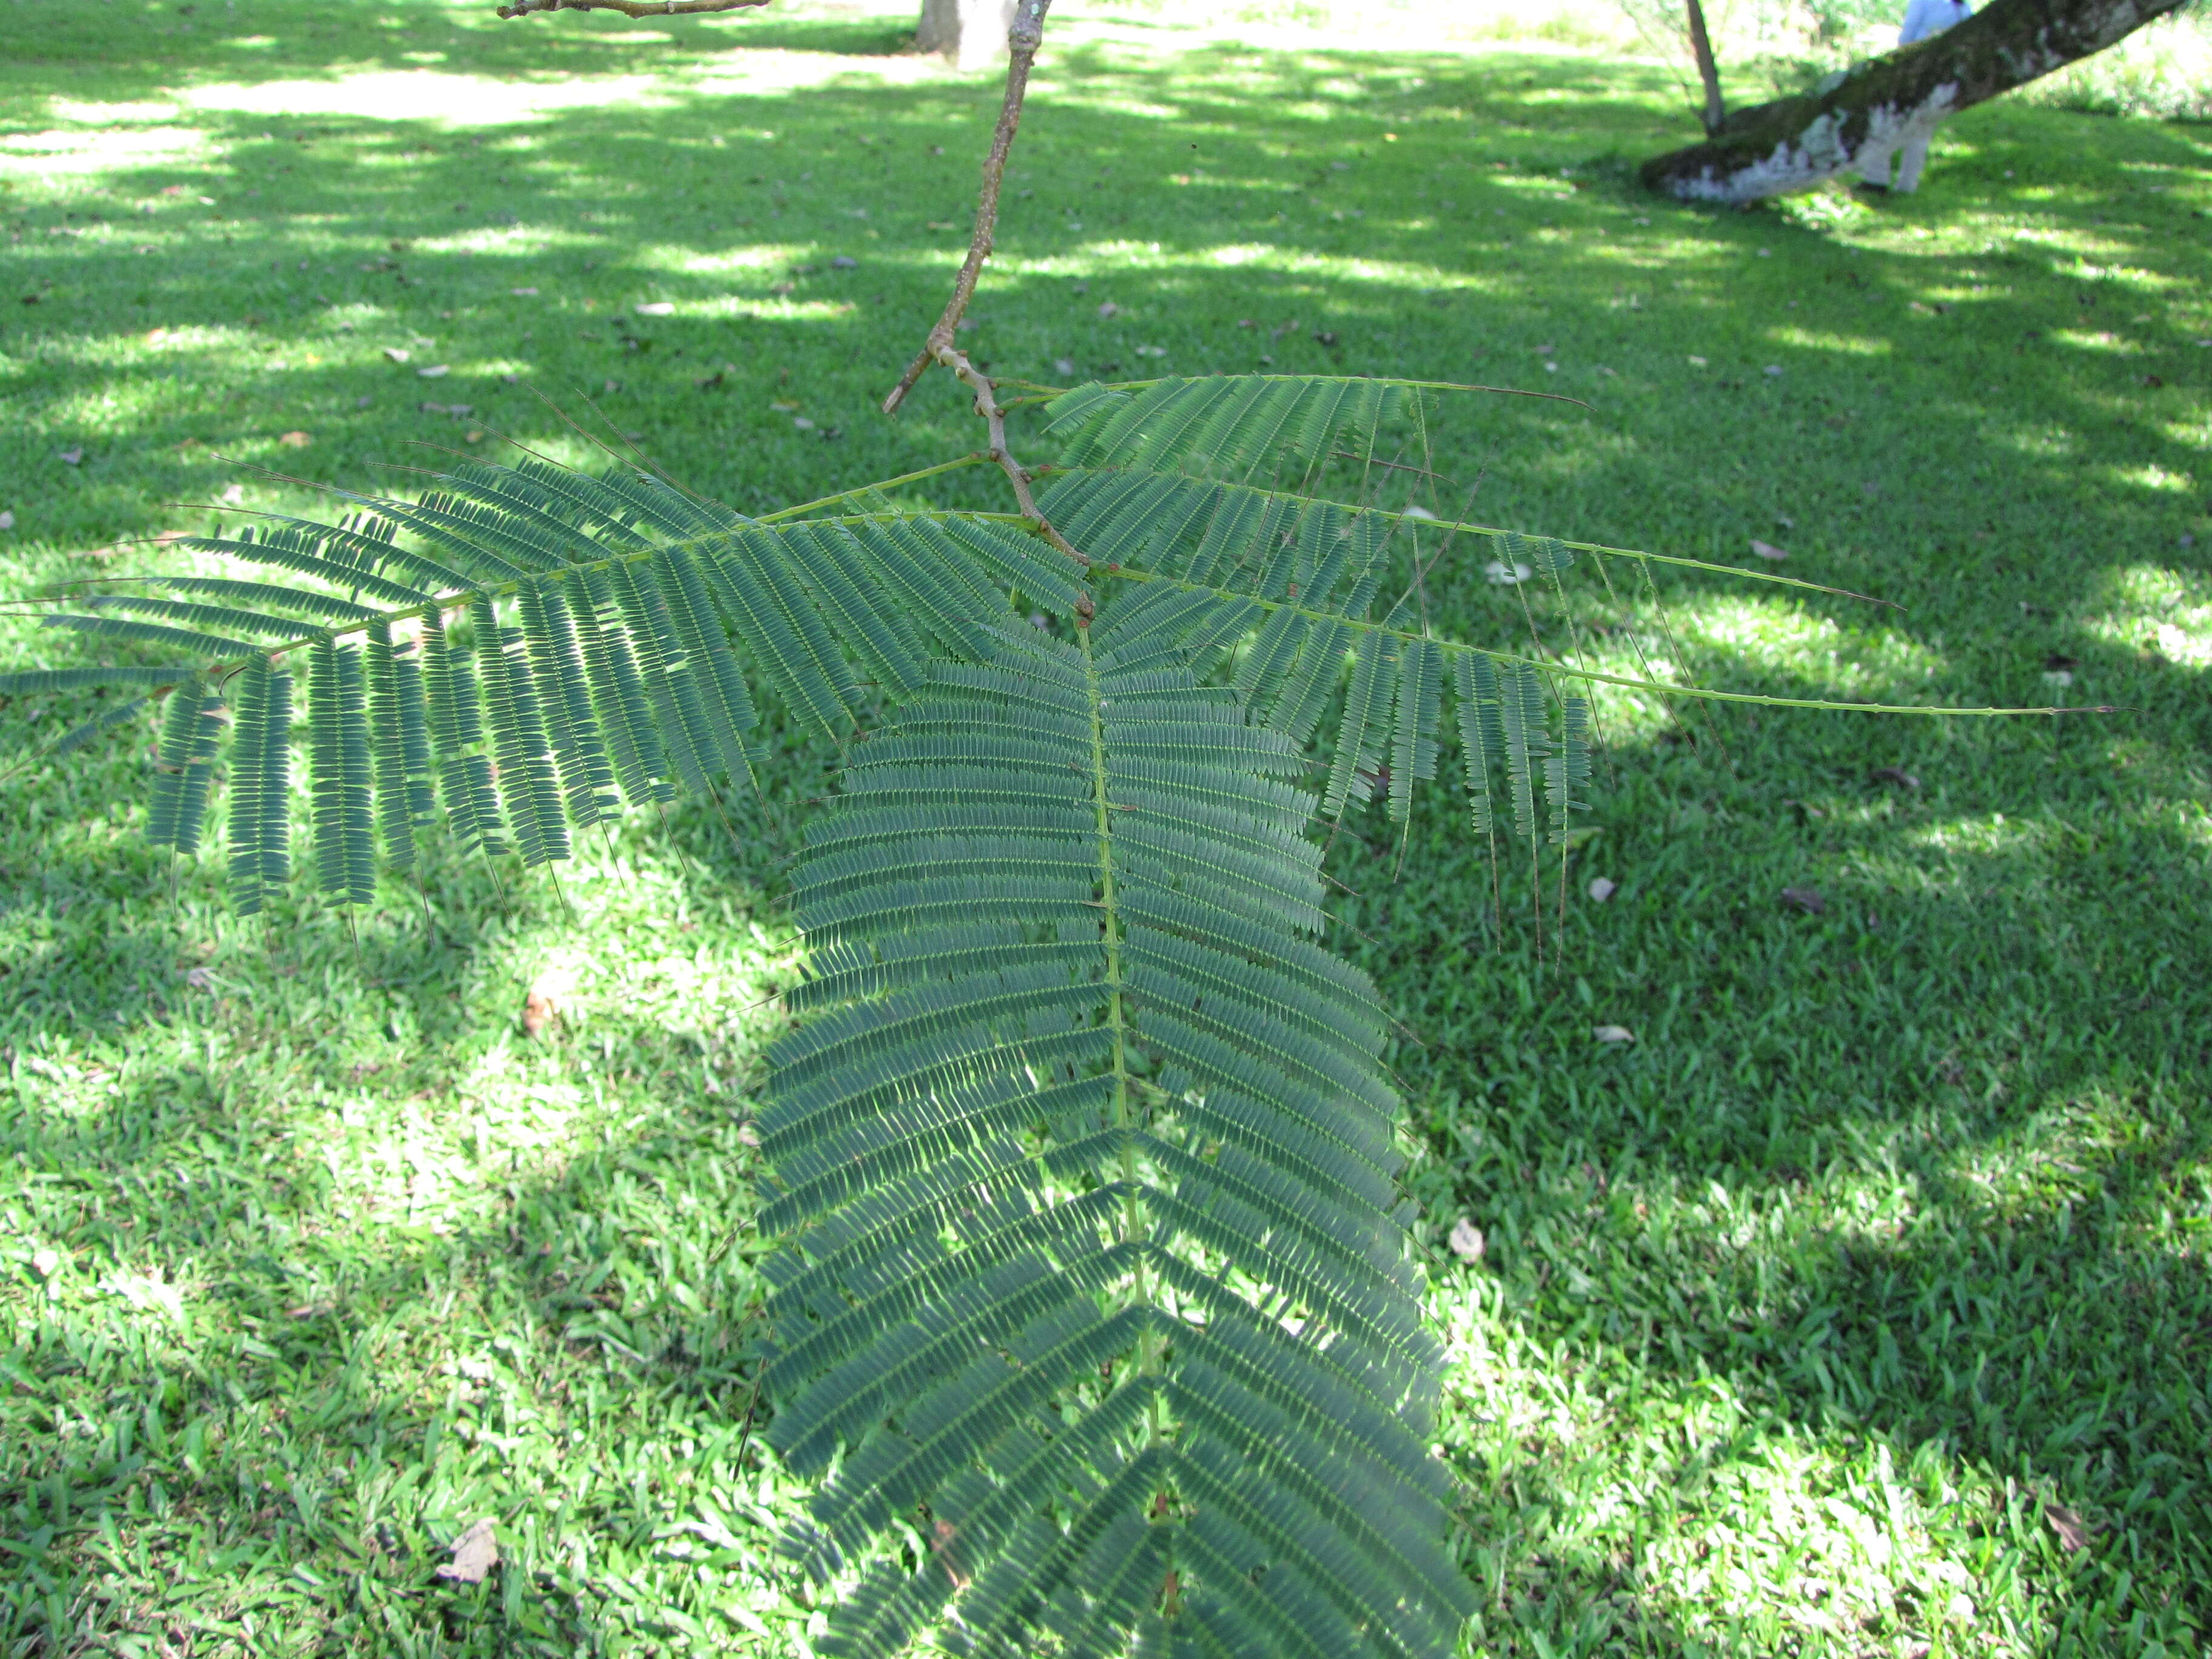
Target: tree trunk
column 1709, row 72
column 1875, row 107
column 971, row 33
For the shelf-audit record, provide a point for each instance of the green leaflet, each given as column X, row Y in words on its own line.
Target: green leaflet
column 176, row 639
column 712, row 690
column 1063, row 1005
column 527, row 784
column 37, row 681
column 619, row 692
column 345, row 857
column 77, row 736
column 260, row 786
column 1360, row 739
column 1481, row 733
column 1419, row 698
column 457, row 729
column 679, row 721
column 557, row 663
column 1521, row 717
column 206, row 615
column 1566, row 774
column 184, row 767
column 786, row 635
column 323, row 606
column 1222, row 426
column 399, row 722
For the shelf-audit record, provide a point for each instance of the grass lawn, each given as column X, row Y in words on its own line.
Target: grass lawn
column 1859, row 1306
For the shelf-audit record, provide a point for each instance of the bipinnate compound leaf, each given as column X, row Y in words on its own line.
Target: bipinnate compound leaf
column 1168, row 1384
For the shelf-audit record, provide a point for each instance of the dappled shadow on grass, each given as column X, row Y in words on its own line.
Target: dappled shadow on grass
column 353, row 1395
column 1897, row 1184
column 81, row 52
column 1914, row 452
column 313, row 1267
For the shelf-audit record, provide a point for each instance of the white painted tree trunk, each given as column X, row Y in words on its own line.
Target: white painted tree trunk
column 971, row 33
column 1859, row 121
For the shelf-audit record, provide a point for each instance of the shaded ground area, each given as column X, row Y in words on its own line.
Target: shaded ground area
column 1811, row 1322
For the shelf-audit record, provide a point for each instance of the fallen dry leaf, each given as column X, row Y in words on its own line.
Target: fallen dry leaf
column 476, row 1553
column 1768, row 550
column 548, row 998
column 73, row 456
column 1601, row 889
column 7, row 520
column 295, row 440
column 1110, row 309
column 657, row 308
column 1497, row 575
column 1465, row 1240
column 1894, row 774
column 1613, row 1034
column 2072, row 1536
column 398, row 353
column 46, row 1263
column 1806, row 899
column 434, row 371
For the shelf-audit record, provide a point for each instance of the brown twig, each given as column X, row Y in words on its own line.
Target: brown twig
column 1022, row 41
column 995, row 418
column 626, row 7
column 942, row 347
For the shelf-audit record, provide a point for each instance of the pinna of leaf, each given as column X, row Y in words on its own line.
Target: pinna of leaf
column 1096, row 1275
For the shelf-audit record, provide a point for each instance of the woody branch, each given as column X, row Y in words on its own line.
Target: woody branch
column 941, row 347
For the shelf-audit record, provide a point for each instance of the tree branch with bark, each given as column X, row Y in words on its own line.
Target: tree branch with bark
column 1874, row 107
column 941, row 347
